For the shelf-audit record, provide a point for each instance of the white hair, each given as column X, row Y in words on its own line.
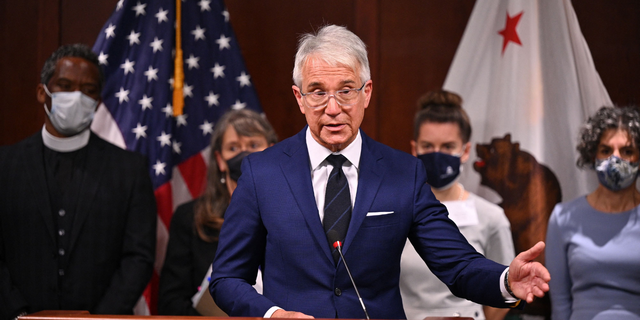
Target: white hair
column 335, row 45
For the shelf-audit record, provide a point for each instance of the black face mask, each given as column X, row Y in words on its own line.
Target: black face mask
column 235, row 165
column 442, row 169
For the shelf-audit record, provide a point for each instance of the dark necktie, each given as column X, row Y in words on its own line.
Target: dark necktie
column 337, row 202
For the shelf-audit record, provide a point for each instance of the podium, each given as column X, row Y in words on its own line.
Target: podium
column 85, row 315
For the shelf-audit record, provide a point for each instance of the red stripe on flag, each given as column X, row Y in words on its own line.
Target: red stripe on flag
column 164, row 201
column 194, row 174
column 151, row 293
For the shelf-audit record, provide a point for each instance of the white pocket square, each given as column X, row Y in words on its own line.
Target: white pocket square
column 378, row 213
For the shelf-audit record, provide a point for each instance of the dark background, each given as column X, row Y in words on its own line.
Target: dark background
column 411, row 45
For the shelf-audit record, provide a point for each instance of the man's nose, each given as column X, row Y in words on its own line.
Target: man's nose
column 333, row 108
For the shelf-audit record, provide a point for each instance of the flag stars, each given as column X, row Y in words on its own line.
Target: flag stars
column 223, row 42
column 206, row 127
column 102, row 58
column 168, row 110
column 204, row 5
column 140, row 131
column 159, row 167
column 156, row 44
column 164, row 139
column 162, row 16
column 509, row 32
column 193, row 62
column 244, row 79
column 145, row 102
column 187, row 91
column 181, row 120
column 212, row 99
column 225, row 13
column 122, row 95
column 218, row 71
column 139, row 9
column 110, row 31
column 198, row 33
column 127, row 66
column 134, row 38
column 151, row 73
column 238, row 105
column 176, row 147
column 119, row 5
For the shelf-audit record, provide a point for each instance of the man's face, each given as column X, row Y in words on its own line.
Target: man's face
column 71, row 74
column 333, row 126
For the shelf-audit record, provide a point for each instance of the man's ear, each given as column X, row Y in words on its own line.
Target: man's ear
column 298, row 95
column 41, row 95
column 368, row 89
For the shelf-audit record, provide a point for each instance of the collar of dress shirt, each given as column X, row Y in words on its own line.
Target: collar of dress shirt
column 318, row 153
column 68, row 144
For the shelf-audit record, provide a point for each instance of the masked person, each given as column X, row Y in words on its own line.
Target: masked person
column 593, row 241
column 441, row 140
column 195, row 225
column 77, row 214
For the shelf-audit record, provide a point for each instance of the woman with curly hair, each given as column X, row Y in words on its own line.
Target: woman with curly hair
column 592, row 242
column 195, row 225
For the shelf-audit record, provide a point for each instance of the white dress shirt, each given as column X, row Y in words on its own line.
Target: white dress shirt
column 321, row 169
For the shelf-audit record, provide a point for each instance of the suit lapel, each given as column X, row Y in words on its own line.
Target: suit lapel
column 298, row 174
column 91, row 178
column 37, row 179
column 371, row 172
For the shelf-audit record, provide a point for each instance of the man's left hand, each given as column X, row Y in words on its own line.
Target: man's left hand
column 528, row 278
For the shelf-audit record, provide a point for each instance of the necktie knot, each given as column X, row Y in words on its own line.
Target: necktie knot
column 336, row 160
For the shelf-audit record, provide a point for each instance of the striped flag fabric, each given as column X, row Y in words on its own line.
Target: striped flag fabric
column 136, row 48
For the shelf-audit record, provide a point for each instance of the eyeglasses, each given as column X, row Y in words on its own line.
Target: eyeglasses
column 320, row 99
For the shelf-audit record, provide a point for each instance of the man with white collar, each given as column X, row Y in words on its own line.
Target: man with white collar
column 332, row 183
column 77, row 214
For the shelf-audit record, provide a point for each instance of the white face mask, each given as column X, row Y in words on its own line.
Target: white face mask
column 71, row 112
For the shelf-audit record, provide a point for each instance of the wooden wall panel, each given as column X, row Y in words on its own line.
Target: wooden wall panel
column 612, row 31
column 418, row 40
column 411, row 44
column 29, row 31
column 81, row 20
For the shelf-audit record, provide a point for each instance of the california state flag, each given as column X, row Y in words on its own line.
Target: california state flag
column 523, row 68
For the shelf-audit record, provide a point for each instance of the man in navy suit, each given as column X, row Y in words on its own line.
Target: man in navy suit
column 275, row 219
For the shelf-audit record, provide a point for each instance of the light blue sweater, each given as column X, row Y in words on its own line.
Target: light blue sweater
column 594, row 261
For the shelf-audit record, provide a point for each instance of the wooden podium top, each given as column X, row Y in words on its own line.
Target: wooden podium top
column 85, row 315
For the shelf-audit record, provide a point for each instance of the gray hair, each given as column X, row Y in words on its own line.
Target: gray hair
column 335, row 45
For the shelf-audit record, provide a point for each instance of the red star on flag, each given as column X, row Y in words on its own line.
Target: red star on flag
column 509, row 32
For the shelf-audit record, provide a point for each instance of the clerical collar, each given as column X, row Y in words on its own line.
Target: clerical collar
column 68, row 144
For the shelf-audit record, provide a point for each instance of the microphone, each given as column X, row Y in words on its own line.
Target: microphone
column 334, row 238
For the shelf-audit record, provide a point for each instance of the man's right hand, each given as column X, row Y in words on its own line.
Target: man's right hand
column 280, row 313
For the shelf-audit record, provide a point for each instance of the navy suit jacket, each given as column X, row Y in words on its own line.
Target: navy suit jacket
column 273, row 222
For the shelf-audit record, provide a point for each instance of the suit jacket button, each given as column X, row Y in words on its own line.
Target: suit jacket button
column 338, row 292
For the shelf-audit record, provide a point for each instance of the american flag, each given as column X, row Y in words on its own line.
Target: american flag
column 136, row 48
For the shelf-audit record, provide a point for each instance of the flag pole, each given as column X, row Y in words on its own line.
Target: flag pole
column 178, row 71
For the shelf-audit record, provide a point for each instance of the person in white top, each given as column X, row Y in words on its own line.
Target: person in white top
column 442, row 132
